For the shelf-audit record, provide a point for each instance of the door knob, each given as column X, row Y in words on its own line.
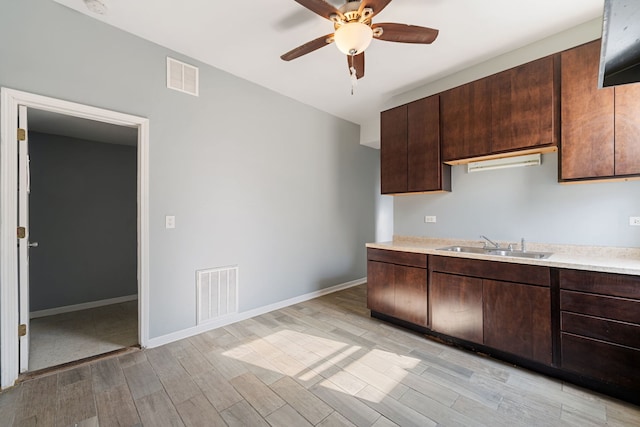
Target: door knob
column 33, row 244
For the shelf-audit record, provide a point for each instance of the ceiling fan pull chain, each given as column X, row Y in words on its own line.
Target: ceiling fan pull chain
column 354, row 79
column 353, row 75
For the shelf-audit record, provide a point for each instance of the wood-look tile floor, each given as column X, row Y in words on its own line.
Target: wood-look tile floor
column 323, row 362
column 67, row 337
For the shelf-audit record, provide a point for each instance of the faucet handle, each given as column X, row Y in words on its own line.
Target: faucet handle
column 523, row 246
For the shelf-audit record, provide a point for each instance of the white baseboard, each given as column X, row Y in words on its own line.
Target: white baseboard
column 83, row 306
column 227, row 320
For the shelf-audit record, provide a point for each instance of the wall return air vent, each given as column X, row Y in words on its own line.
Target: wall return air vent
column 508, row 162
column 182, row 77
column 216, row 293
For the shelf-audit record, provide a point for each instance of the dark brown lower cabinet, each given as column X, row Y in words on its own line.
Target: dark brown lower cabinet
column 579, row 325
column 503, row 306
column 517, row 319
column 456, row 306
column 381, row 288
column 411, row 294
column 397, row 285
column 600, row 327
column 601, row 360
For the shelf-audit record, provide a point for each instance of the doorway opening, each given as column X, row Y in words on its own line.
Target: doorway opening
column 82, row 238
column 76, row 211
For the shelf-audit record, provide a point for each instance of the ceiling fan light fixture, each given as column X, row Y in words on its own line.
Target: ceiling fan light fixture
column 353, row 38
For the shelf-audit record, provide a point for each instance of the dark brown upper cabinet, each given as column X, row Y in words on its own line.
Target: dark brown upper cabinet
column 410, row 157
column 524, row 113
column 600, row 127
column 466, row 121
column 515, row 110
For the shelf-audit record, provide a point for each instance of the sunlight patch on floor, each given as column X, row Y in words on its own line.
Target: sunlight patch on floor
column 324, row 356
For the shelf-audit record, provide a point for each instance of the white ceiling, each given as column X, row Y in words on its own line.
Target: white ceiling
column 247, row 39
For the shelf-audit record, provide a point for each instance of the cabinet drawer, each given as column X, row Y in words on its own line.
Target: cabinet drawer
column 503, row 271
column 618, row 285
column 624, row 309
column 602, row 329
column 397, row 257
column 610, row 363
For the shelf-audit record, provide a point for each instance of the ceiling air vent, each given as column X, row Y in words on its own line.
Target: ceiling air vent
column 182, row 77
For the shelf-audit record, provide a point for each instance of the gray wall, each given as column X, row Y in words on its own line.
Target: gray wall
column 254, row 178
column 83, row 215
column 525, row 202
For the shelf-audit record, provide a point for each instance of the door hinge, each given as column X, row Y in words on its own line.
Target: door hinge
column 22, row 330
column 22, row 232
column 22, row 134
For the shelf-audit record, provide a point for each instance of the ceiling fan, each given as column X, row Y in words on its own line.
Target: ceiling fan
column 354, row 31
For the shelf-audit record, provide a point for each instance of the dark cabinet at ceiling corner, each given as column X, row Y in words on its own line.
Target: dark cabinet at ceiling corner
column 410, row 149
column 509, row 111
column 600, row 127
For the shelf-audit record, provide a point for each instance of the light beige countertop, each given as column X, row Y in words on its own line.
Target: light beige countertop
column 591, row 258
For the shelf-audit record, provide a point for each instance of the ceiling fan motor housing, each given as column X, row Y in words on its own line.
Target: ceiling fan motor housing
column 351, row 12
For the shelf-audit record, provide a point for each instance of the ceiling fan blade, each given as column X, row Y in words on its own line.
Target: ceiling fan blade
column 406, row 33
column 321, row 7
column 356, row 62
column 376, row 5
column 308, row 47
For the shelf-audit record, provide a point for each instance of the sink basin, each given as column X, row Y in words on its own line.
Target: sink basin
column 519, row 254
column 468, row 249
column 497, row 252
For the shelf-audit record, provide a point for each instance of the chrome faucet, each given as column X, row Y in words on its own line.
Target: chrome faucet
column 523, row 248
column 496, row 245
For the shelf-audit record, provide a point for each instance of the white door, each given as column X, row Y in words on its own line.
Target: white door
column 23, row 242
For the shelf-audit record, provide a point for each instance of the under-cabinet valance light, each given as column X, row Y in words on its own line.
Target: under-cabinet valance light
column 508, row 162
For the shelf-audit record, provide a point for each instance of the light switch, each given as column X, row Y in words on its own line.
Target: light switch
column 169, row 221
column 430, row 218
column 634, row 220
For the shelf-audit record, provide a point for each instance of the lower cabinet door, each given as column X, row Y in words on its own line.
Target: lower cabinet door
column 411, row 294
column 456, row 306
column 380, row 287
column 517, row 319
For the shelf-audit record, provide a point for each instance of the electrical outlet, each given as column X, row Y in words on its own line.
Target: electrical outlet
column 634, row 220
column 169, row 221
column 430, row 218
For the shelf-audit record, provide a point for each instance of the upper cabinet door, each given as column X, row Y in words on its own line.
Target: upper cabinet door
column 587, row 148
column 393, row 150
column 410, row 149
column 466, row 120
column 523, row 107
column 627, row 118
column 423, row 164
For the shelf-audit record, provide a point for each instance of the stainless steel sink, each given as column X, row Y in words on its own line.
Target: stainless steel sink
column 468, row 249
column 497, row 252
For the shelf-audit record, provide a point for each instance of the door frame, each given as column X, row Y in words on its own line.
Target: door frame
column 10, row 99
